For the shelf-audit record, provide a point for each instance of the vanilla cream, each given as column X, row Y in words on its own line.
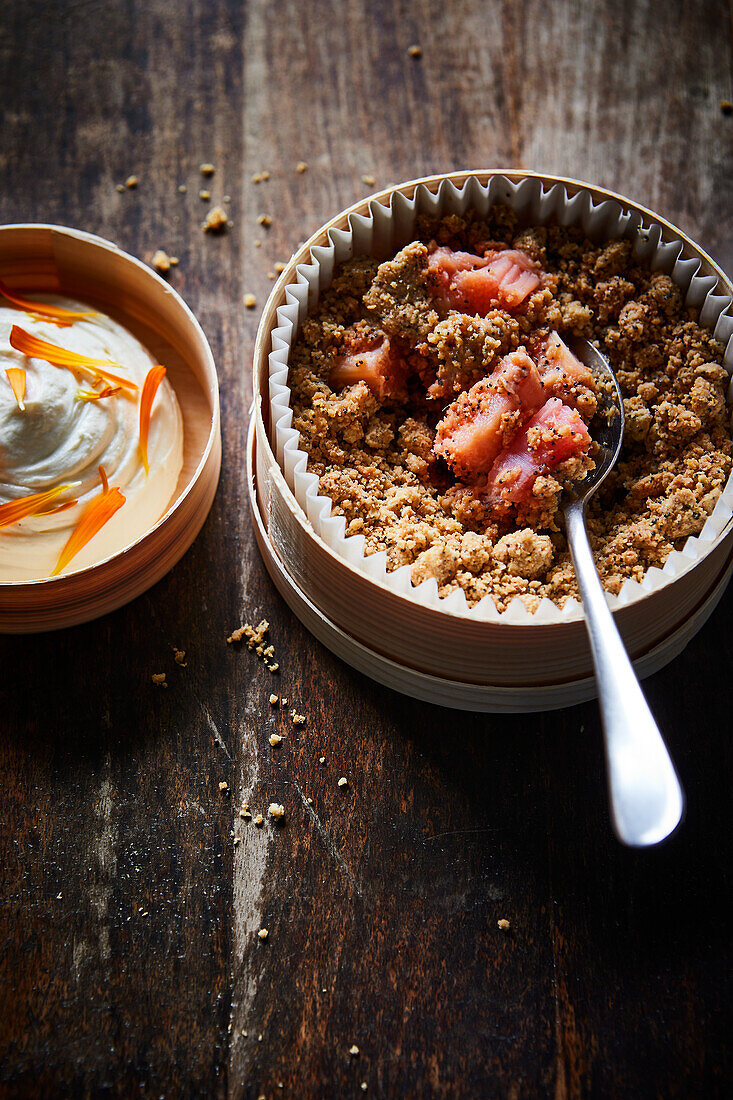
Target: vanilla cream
column 59, row 439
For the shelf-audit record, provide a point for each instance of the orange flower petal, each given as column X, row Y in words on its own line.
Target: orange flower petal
column 16, row 378
column 43, row 309
column 150, row 387
column 98, row 512
column 61, row 357
column 97, row 395
column 61, row 508
column 103, row 477
column 31, row 505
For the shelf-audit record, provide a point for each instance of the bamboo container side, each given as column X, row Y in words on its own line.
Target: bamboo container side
column 54, row 259
column 441, row 643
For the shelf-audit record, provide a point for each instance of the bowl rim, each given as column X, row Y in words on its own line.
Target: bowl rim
column 276, row 299
column 109, row 246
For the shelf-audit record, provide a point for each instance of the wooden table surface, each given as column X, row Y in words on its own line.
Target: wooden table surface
column 129, row 957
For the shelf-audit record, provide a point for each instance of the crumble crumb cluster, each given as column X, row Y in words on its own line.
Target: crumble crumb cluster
column 375, row 456
column 216, row 220
column 256, row 636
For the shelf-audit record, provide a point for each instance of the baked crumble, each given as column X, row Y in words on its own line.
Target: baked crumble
column 384, row 444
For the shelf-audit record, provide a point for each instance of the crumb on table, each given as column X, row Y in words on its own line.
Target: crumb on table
column 216, row 220
column 162, row 262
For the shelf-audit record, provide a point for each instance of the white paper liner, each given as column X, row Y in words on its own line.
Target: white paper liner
column 387, row 227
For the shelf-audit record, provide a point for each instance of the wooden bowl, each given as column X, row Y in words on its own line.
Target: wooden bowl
column 433, row 641
column 54, row 259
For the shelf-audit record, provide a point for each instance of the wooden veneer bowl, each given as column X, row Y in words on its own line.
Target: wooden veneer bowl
column 548, row 664
column 54, row 259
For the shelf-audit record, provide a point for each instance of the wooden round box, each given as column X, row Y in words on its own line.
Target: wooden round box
column 54, row 259
column 433, row 652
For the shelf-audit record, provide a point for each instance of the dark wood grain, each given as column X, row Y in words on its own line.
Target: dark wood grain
column 381, row 899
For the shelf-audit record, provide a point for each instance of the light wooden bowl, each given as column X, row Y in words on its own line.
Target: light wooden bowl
column 55, row 259
column 422, row 641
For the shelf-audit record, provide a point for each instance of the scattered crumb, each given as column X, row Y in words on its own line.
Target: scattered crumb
column 258, row 244
column 131, row 182
column 271, row 275
column 255, row 635
column 322, row 760
column 354, row 1050
column 259, row 820
column 162, row 262
column 205, row 195
column 250, row 301
column 263, row 933
column 343, row 781
column 284, row 702
column 275, row 739
column 223, row 786
column 237, row 839
column 503, row 924
column 182, row 189
column 301, row 167
column 265, row 176
column 159, row 678
column 264, row 219
column 298, row 719
column 726, row 107
column 174, row 261
column 364, row 1086
column 274, row 700
column 227, row 198
column 276, row 812
column 368, row 180
column 120, row 187
column 207, row 169
column 244, row 811
column 179, row 656
column 257, row 178
column 216, row 220
column 309, row 801
column 279, row 267
column 274, row 667
column 415, row 51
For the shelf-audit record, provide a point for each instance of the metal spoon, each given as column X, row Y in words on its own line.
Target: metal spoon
column 647, row 802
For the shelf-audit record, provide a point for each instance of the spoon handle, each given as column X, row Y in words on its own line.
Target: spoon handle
column 646, row 797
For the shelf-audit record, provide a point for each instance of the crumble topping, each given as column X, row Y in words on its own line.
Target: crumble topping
column 372, row 440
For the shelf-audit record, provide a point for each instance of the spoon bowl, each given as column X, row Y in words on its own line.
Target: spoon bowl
column 608, row 423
